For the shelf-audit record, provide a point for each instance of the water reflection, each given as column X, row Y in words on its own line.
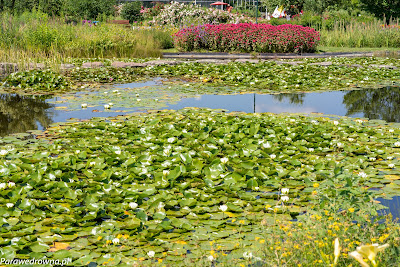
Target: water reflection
column 23, row 113
column 295, row 99
column 383, row 104
column 19, row 114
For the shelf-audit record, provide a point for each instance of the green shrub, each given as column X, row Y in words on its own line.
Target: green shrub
column 51, row 7
column 164, row 39
column 89, row 9
column 131, row 11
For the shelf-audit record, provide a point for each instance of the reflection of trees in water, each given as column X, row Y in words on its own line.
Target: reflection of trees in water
column 297, row 99
column 381, row 103
column 19, row 114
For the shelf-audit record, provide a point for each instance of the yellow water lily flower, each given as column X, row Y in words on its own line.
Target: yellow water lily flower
column 369, row 252
column 358, row 257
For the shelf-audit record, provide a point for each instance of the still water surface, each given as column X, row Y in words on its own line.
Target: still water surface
column 22, row 113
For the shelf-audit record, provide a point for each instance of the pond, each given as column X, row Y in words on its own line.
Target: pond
column 241, row 176
column 22, row 113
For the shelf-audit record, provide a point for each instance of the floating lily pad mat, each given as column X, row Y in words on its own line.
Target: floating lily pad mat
column 178, row 183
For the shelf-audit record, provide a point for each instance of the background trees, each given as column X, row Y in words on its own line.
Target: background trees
column 380, row 8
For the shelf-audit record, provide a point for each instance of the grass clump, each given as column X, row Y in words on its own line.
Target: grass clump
column 359, row 35
column 36, row 33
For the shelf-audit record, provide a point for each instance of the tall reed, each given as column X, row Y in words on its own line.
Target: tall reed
column 356, row 34
column 34, row 37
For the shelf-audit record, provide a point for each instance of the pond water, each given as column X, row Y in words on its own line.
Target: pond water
column 22, row 113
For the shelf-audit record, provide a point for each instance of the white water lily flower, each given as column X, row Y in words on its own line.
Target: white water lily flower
column 285, row 191
column 138, row 100
column 372, row 159
column 390, row 158
column 11, row 184
column 110, row 104
column 133, row 205
column 171, row 139
column 285, row 198
column 162, row 205
column 359, row 121
column 115, row 91
column 314, row 122
column 10, row 205
column 223, row 207
column 248, row 255
column 3, row 185
column 156, row 99
column 3, row 152
column 391, row 130
column 351, row 139
column 151, row 254
column 397, row 144
column 339, row 144
column 252, row 83
column 335, row 122
column 272, row 156
column 224, row 160
column 165, row 172
column 266, row 145
column 115, row 241
column 107, row 106
column 311, row 149
column 137, row 95
column 210, row 258
column 391, row 165
column 84, row 105
column 362, row 175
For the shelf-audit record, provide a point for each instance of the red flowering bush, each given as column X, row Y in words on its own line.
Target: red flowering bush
column 248, row 37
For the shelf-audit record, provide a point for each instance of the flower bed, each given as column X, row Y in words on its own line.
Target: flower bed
column 248, row 37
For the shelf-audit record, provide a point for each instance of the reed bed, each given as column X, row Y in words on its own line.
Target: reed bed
column 359, row 35
column 35, row 37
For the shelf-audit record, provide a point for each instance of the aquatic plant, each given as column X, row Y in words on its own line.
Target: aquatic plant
column 183, row 186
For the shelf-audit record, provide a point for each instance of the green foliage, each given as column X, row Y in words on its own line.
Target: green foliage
column 270, row 77
column 89, row 9
column 163, row 38
column 383, row 8
column 179, row 186
column 131, row 11
column 369, row 34
column 35, row 32
column 51, row 7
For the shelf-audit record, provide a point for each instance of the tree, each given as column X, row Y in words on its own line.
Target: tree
column 51, row 7
column 382, row 8
column 89, row 9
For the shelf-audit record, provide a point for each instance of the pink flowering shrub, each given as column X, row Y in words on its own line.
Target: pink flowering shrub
column 248, row 37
